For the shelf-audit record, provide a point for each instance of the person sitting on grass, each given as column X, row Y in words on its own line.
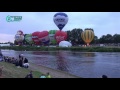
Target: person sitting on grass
column 26, row 64
column 42, row 76
column 21, row 62
column 6, row 59
column 9, row 59
column 30, row 75
column 12, row 60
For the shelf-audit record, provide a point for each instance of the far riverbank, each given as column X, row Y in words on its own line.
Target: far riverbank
column 47, row 48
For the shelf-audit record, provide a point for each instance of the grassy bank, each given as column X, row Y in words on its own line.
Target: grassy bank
column 11, row 71
column 81, row 49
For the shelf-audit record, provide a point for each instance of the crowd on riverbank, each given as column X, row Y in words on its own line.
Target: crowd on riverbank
column 21, row 62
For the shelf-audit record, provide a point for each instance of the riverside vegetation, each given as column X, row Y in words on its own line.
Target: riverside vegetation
column 47, row 48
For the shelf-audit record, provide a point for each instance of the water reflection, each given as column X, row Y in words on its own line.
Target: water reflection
column 61, row 62
column 40, row 53
column 83, row 54
column 89, row 54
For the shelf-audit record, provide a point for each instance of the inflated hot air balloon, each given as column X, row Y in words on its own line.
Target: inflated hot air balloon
column 35, row 37
column 60, row 19
column 87, row 35
column 44, row 37
column 19, row 38
column 20, row 32
column 52, row 36
column 60, row 36
column 28, row 38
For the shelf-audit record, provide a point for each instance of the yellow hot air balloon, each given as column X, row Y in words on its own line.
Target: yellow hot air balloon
column 87, row 35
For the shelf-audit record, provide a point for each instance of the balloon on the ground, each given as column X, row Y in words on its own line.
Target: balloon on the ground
column 35, row 37
column 28, row 38
column 44, row 37
column 87, row 35
column 60, row 36
column 52, row 36
column 65, row 44
column 60, row 19
column 19, row 38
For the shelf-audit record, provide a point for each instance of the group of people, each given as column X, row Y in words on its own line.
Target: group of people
column 46, row 76
column 30, row 75
column 21, row 62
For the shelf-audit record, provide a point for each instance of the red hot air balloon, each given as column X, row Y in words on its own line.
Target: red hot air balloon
column 60, row 36
column 35, row 37
column 44, row 37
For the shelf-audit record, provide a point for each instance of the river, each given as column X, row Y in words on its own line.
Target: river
column 83, row 64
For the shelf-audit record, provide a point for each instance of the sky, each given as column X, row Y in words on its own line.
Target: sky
column 102, row 22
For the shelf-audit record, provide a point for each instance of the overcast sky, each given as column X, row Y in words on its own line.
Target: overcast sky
column 102, row 23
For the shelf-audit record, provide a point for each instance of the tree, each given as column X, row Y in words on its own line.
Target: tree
column 116, row 38
column 76, row 36
column 95, row 40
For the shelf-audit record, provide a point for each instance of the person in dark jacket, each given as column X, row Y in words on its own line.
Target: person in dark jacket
column 25, row 60
column 20, row 63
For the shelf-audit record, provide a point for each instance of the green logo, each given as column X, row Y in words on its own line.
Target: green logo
column 13, row 18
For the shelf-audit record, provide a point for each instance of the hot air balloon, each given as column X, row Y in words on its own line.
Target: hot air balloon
column 65, row 44
column 35, row 37
column 28, row 38
column 19, row 38
column 20, row 32
column 52, row 36
column 87, row 35
column 44, row 37
column 60, row 19
column 60, row 36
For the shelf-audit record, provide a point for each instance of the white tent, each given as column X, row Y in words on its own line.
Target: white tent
column 65, row 44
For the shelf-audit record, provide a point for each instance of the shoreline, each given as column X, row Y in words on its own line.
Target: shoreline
column 79, row 49
column 54, row 73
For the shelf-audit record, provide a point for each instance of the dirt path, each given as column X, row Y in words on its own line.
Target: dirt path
column 53, row 73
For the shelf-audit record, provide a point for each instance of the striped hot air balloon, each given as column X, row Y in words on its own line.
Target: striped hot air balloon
column 87, row 35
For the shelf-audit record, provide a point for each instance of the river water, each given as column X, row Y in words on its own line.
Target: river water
column 83, row 64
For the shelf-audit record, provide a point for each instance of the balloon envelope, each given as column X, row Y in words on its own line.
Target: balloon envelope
column 52, row 36
column 28, row 38
column 19, row 38
column 87, row 36
column 60, row 19
column 44, row 37
column 60, row 36
column 35, row 37
column 65, row 44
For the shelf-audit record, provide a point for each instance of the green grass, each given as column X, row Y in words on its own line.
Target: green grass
column 11, row 71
